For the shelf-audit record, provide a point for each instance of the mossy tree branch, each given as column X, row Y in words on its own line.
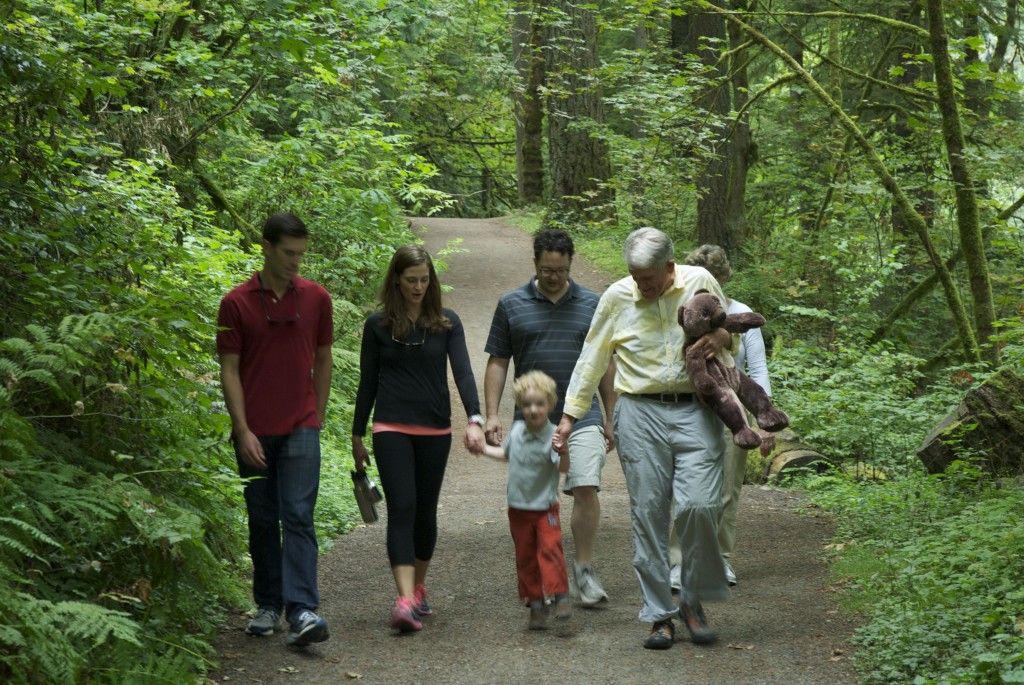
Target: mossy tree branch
column 913, row 218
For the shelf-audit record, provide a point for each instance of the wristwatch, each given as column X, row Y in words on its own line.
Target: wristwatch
column 477, row 419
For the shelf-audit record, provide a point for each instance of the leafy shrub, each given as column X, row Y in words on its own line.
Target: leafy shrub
column 943, row 596
column 861, row 403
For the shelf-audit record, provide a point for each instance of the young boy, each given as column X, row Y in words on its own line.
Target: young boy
column 533, row 476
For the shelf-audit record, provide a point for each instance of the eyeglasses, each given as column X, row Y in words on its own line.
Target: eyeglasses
column 548, row 273
column 410, row 345
column 266, row 312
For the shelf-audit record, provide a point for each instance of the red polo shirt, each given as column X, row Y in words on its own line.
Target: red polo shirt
column 276, row 363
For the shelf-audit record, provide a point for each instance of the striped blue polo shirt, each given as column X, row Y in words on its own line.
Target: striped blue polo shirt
column 536, row 333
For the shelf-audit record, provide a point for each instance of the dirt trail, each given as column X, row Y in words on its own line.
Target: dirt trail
column 781, row 627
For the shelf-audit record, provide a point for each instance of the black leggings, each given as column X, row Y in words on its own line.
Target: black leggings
column 411, row 469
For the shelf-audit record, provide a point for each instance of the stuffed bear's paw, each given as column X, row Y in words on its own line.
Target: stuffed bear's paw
column 747, row 439
column 773, row 420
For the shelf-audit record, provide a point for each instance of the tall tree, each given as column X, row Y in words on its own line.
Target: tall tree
column 741, row 147
column 968, row 221
column 700, row 33
column 580, row 164
column 528, row 57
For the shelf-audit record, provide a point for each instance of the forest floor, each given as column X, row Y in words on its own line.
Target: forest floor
column 782, row 626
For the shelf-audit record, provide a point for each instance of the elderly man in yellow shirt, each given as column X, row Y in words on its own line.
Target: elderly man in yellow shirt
column 670, row 445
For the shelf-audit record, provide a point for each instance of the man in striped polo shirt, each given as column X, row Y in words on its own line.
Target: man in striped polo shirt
column 542, row 326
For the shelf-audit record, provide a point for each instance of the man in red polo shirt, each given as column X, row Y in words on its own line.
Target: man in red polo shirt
column 274, row 341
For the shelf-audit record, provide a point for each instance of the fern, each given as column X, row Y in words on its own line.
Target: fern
column 11, row 543
column 94, row 624
column 49, row 642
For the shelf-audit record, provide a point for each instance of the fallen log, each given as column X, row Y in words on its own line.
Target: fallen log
column 791, row 453
column 987, row 427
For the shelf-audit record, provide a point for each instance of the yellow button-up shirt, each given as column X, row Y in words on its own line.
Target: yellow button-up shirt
column 645, row 337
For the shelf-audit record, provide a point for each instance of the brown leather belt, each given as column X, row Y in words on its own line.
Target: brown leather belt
column 667, row 397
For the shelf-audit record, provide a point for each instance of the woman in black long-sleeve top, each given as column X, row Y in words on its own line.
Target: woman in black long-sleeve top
column 403, row 377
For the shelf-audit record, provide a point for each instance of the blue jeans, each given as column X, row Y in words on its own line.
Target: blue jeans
column 281, row 499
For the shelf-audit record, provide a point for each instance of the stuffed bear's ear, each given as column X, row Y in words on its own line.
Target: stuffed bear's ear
column 702, row 290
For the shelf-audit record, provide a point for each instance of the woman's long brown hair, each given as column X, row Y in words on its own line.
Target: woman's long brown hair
column 392, row 303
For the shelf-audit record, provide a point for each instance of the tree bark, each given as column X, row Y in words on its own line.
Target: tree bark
column 987, row 427
column 580, row 164
column 741, row 146
column 528, row 57
column 968, row 221
column 704, row 35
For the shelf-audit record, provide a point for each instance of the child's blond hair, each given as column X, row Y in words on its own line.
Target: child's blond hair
column 535, row 380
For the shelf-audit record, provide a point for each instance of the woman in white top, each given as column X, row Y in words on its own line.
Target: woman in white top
column 751, row 358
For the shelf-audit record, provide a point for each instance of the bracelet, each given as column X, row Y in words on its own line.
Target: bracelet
column 476, row 419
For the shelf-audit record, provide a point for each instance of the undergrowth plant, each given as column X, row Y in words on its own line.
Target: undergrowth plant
column 936, row 565
column 862, row 404
column 97, row 525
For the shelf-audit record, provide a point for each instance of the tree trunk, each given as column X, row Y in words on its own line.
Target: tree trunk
column 579, row 160
column 790, row 454
column 968, row 221
column 704, row 36
column 987, row 426
column 527, row 55
column 741, row 146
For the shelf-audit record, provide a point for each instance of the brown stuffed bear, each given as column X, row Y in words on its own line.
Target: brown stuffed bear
column 719, row 382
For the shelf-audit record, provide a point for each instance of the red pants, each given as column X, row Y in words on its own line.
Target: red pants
column 540, row 561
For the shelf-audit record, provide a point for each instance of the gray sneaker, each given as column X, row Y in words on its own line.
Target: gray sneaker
column 306, row 628
column 264, row 622
column 591, row 592
column 730, row 575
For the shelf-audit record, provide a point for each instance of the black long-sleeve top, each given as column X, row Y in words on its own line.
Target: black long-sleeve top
column 407, row 381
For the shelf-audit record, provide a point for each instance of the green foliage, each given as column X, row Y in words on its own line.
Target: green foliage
column 941, row 581
column 142, row 144
column 138, row 148
column 655, row 118
column 860, row 404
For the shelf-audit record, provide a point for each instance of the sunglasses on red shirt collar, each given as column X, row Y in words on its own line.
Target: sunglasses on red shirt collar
column 266, row 312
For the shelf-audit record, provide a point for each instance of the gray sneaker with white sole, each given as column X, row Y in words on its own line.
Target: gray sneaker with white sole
column 264, row 622
column 591, row 592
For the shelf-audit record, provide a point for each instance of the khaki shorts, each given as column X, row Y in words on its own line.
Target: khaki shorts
column 586, row 458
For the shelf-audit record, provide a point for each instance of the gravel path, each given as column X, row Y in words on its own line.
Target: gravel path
column 781, row 627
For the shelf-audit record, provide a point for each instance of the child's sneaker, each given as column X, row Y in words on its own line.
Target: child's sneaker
column 538, row 616
column 422, row 604
column 403, row 616
column 563, row 608
column 591, row 592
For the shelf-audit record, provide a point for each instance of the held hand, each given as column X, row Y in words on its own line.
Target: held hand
column 474, row 440
column 560, row 440
column 250, row 450
column 493, row 431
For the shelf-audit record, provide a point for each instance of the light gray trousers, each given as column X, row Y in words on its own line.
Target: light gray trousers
column 672, row 458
